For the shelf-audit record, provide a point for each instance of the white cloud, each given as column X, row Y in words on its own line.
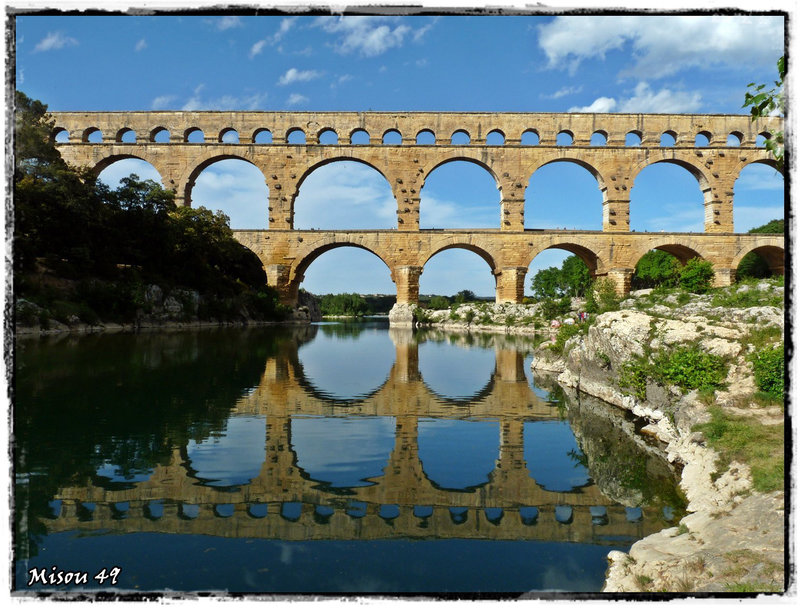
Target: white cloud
column 664, row 45
column 226, row 102
column 286, row 24
column 369, row 36
column 599, row 105
column 759, row 177
column 746, row 218
column 345, row 194
column 54, row 41
column 293, row 75
column 162, row 102
column 645, row 100
column 418, row 35
column 228, row 22
column 563, row 92
column 141, row 45
column 295, row 99
column 679, row 217
column 257, row 48
column 236, row 188
column 667, row 101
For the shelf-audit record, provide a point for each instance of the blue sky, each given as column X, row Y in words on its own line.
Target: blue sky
column 619, row 63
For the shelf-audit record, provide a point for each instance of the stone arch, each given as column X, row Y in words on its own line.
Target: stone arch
column 531, row 170
column 695, row 170
column 327, row 133
column 495, row 137
column 228, row 132
column 59, row 132
column 357, row 134
column 481, row 252
column 476, row 161
column 462, row 133
column 310, row 253
column 468, row 265
column 377, row 216
column 293, row 130
column 158, row 131
column 262, row 133
column 773, row 255
column 596, row 263
column 425, row 134
column 327, row 161
column 530, row 137
column 123, row 133
column 757, row 197
column 565, row 138
column 106, row 162
column 599, row 138
column 204, row 164
column 666, row 143
column 192, row 131
column 488, row 217
column 682, row 252
column 91, row 133
column 394, row 134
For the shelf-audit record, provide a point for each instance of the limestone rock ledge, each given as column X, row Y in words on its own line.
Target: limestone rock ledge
column 727, row 525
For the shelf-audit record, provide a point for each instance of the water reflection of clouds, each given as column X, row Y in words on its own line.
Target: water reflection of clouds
column 345, row 369
column 453, row 371
column 343, row 452
column 232, row 457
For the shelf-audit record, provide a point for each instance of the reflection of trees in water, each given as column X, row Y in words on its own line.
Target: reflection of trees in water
column 124, row 399
column 351, row 328
column 625, row 465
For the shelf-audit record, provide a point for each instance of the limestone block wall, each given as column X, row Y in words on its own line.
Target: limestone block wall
column 518, row 145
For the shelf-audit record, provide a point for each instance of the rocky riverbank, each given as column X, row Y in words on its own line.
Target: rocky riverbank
column 157, row 308
column 733, row 536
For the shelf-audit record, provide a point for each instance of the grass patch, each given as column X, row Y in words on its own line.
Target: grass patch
column 748, row 441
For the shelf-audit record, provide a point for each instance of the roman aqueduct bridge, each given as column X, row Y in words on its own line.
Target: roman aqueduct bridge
column 392, row 144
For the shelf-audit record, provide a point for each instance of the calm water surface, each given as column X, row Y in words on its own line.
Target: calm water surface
column 338, row 458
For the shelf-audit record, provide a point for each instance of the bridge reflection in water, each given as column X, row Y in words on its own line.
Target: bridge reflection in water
column 288, row 498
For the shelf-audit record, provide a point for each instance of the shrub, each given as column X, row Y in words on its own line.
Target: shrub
column 690, row 368
column 602, row 297
column 633, row 375
column 696, row 276
column 439, row 303
column 552, row 308
column 768, row 368
column 565, row 332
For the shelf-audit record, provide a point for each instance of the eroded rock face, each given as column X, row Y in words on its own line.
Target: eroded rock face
column 728, row 524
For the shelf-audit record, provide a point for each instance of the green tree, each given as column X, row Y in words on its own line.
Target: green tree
column 656, row 268
column 763, row 102
column 465, row 295
column 696, row 276
column 771, row 227
column 572, row 279
column 439, row 303
column 575, row 276
column 546, row 283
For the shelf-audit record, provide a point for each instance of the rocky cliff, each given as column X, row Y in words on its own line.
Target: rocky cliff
column 631, row 358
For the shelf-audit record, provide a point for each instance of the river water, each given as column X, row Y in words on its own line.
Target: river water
column 343, row 458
